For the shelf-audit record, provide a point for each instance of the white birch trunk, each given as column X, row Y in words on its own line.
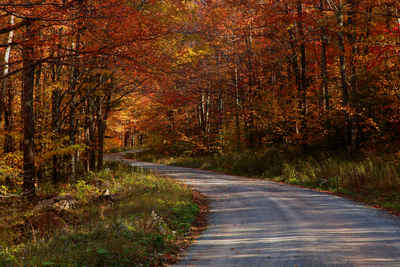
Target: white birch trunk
column 6, row 62
column 8, row 51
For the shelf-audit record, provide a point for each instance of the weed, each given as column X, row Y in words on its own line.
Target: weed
column 364, row 177
column 147, row 217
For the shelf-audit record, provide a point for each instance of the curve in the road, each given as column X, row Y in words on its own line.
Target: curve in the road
column 262, row 223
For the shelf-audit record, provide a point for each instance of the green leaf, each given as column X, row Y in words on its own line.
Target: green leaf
column 48, row 263
column 102, row 251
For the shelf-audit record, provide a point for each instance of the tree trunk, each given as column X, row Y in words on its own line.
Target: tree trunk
column 6, row 68
column 39, row 117
column 127, row 137
column 87, row 143
column 7, row 102
column 92, row 144
column 55, row 125
column 252, row 92
column 101, row 125
column 352, row 135
column 302, row 88
column 102, row 114
column 296, row 70
column 72, row 87
column 343, row 76
column 324, row 68
column 9, row 120
column 237, row 108
column 27, row 112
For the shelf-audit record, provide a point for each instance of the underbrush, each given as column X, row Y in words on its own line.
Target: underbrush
column 369, row 178
column 139, row 222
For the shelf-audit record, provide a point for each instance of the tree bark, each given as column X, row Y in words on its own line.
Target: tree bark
column 27, row 112
column 250, row 128
column 7, row 102
column 296, row 70
column 324, row 68
column 6, row 68
column 9, row 120
column 91, row 135
column 102, row 126
column 237, row 107
column 72, row 87
column 56, row 100
column 55, row 125
column 351, row 21
column 343, row 75
column 302, row 88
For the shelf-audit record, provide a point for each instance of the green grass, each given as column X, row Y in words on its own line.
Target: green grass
column 372, row 179
column 146, row 222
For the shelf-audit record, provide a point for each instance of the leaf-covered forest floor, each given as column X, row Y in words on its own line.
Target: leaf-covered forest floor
column 120, row 216
column 371, row 179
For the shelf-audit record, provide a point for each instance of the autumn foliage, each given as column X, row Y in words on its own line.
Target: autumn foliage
column 65, row 66
column 248, row 74
column 194, row 76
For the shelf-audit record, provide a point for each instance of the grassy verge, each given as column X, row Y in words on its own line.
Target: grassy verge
column 141, row 221
column 370, row 179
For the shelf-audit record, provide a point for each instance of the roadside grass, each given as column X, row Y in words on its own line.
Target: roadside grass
column 371, row 179
column 141, row 223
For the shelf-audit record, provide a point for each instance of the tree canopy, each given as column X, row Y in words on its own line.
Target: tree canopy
column 204, row 76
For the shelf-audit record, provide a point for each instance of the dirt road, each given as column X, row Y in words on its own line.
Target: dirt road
column 261, row 223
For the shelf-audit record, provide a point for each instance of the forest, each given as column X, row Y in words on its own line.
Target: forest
column 300, row 91
column 80, row 77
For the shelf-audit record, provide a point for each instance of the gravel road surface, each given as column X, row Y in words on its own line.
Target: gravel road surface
column 262, row 223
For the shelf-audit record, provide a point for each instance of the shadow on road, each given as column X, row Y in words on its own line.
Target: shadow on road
column 261, row 223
